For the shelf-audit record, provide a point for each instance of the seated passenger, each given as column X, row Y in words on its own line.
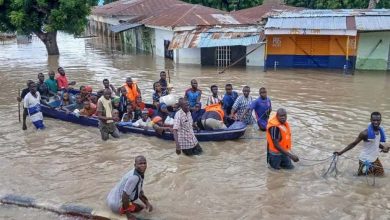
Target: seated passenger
column 138, row 106
column 89, row 109
column 123, row 100
column 128, row 116
column 158, row 93
column 66, row 99
column 94, row 99
column 116, row 103
column 143, row 122
column 197, row 115
column 159, row 126
column 213, row 118
column 77, row 105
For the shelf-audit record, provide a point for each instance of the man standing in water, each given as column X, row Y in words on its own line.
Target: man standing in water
column 262, row 107
column 183, row 131
column 279, row 142
column 25, row 91
column 32, row 101
column 241, row 105
column 104, row 113
column 122, row 197
column 372, row 137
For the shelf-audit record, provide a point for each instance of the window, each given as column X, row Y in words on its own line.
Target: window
column 223, row 55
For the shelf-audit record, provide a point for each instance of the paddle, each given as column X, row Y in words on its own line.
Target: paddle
column 19, row 105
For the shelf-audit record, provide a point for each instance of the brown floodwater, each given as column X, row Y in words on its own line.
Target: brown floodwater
column 68, row 163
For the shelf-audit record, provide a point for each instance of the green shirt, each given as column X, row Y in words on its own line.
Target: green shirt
column 52, row 85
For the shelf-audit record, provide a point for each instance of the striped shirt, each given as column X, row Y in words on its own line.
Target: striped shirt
column 213, row 100
column 240, row 105
column 185, row 133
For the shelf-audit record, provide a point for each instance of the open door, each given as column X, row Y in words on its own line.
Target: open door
column 167, row 53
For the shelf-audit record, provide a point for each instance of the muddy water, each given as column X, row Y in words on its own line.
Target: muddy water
column 69, row 163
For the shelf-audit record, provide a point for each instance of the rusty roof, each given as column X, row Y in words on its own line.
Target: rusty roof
column 181, row 15
column 258, row 13
column 145, row 8
column 217, row 36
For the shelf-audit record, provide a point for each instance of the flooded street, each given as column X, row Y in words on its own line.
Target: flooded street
column 68, row 163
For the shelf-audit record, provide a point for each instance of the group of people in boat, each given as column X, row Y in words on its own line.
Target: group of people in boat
column 125, row 106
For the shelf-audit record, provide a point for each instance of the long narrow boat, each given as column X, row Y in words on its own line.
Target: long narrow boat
column 231, row 133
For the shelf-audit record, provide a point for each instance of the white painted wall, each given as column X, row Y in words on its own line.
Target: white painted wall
column 159, row 37
column 256, row 58
column 187, row 55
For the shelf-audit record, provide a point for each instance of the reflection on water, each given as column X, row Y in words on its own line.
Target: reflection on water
column 68, row 163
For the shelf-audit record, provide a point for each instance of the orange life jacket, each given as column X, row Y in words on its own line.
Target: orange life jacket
column 216, row 108
column 132, row 92
column 285, row 133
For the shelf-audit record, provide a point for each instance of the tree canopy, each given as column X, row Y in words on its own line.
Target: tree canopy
column 45, row 17
column 336, row 4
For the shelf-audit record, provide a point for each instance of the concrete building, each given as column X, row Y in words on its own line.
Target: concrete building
column 152, row 25
column 374, row 40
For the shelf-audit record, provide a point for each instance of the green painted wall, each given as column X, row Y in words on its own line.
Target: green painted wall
column 378, row 59
column 141, row 38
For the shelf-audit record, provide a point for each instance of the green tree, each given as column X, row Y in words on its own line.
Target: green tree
column 227, row 5
column 44, row 18
column 336, row 4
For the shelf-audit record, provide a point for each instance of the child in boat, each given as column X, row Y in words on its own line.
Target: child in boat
column 139, row 106
column 143, row 122
column 65, row 99
column 89, row 109
column 128, row 117
column 159, row 126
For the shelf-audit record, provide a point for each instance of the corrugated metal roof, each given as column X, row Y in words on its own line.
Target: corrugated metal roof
column 260, row 12
column 371, row 23
column 334, row 13
column 123, row 27
column 182, row 15
column 214, row 37
column 329, row 23
column 134, row 7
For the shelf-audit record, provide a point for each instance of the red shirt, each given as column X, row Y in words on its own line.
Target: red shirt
column 62, row 82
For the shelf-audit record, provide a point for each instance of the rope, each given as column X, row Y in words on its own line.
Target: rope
column 369, row 166
column 332, row 167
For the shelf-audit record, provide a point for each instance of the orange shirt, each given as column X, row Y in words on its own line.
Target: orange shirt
column 62, row 82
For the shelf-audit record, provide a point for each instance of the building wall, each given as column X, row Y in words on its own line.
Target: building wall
column 370, row 58
column 187, row 55
column 159, row 37
column 312, row 51
column 257, row 57
column 141, row 38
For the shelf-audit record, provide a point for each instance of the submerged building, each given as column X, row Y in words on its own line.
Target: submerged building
column 329, row 39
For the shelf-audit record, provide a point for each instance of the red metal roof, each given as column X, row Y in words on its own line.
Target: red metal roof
column 145, row 8
column 256, row 14
column 193, row 15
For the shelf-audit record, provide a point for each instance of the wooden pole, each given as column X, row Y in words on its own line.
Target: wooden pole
column 19, row 105
column 235, row 62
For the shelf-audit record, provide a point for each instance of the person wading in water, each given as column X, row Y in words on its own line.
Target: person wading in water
column 106, row 118
column 279, row 142
column 122, row 197
column 372, row 137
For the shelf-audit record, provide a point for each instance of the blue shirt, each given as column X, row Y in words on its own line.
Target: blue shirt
column 192, row 96
column 261, row 107
column 228, row 101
